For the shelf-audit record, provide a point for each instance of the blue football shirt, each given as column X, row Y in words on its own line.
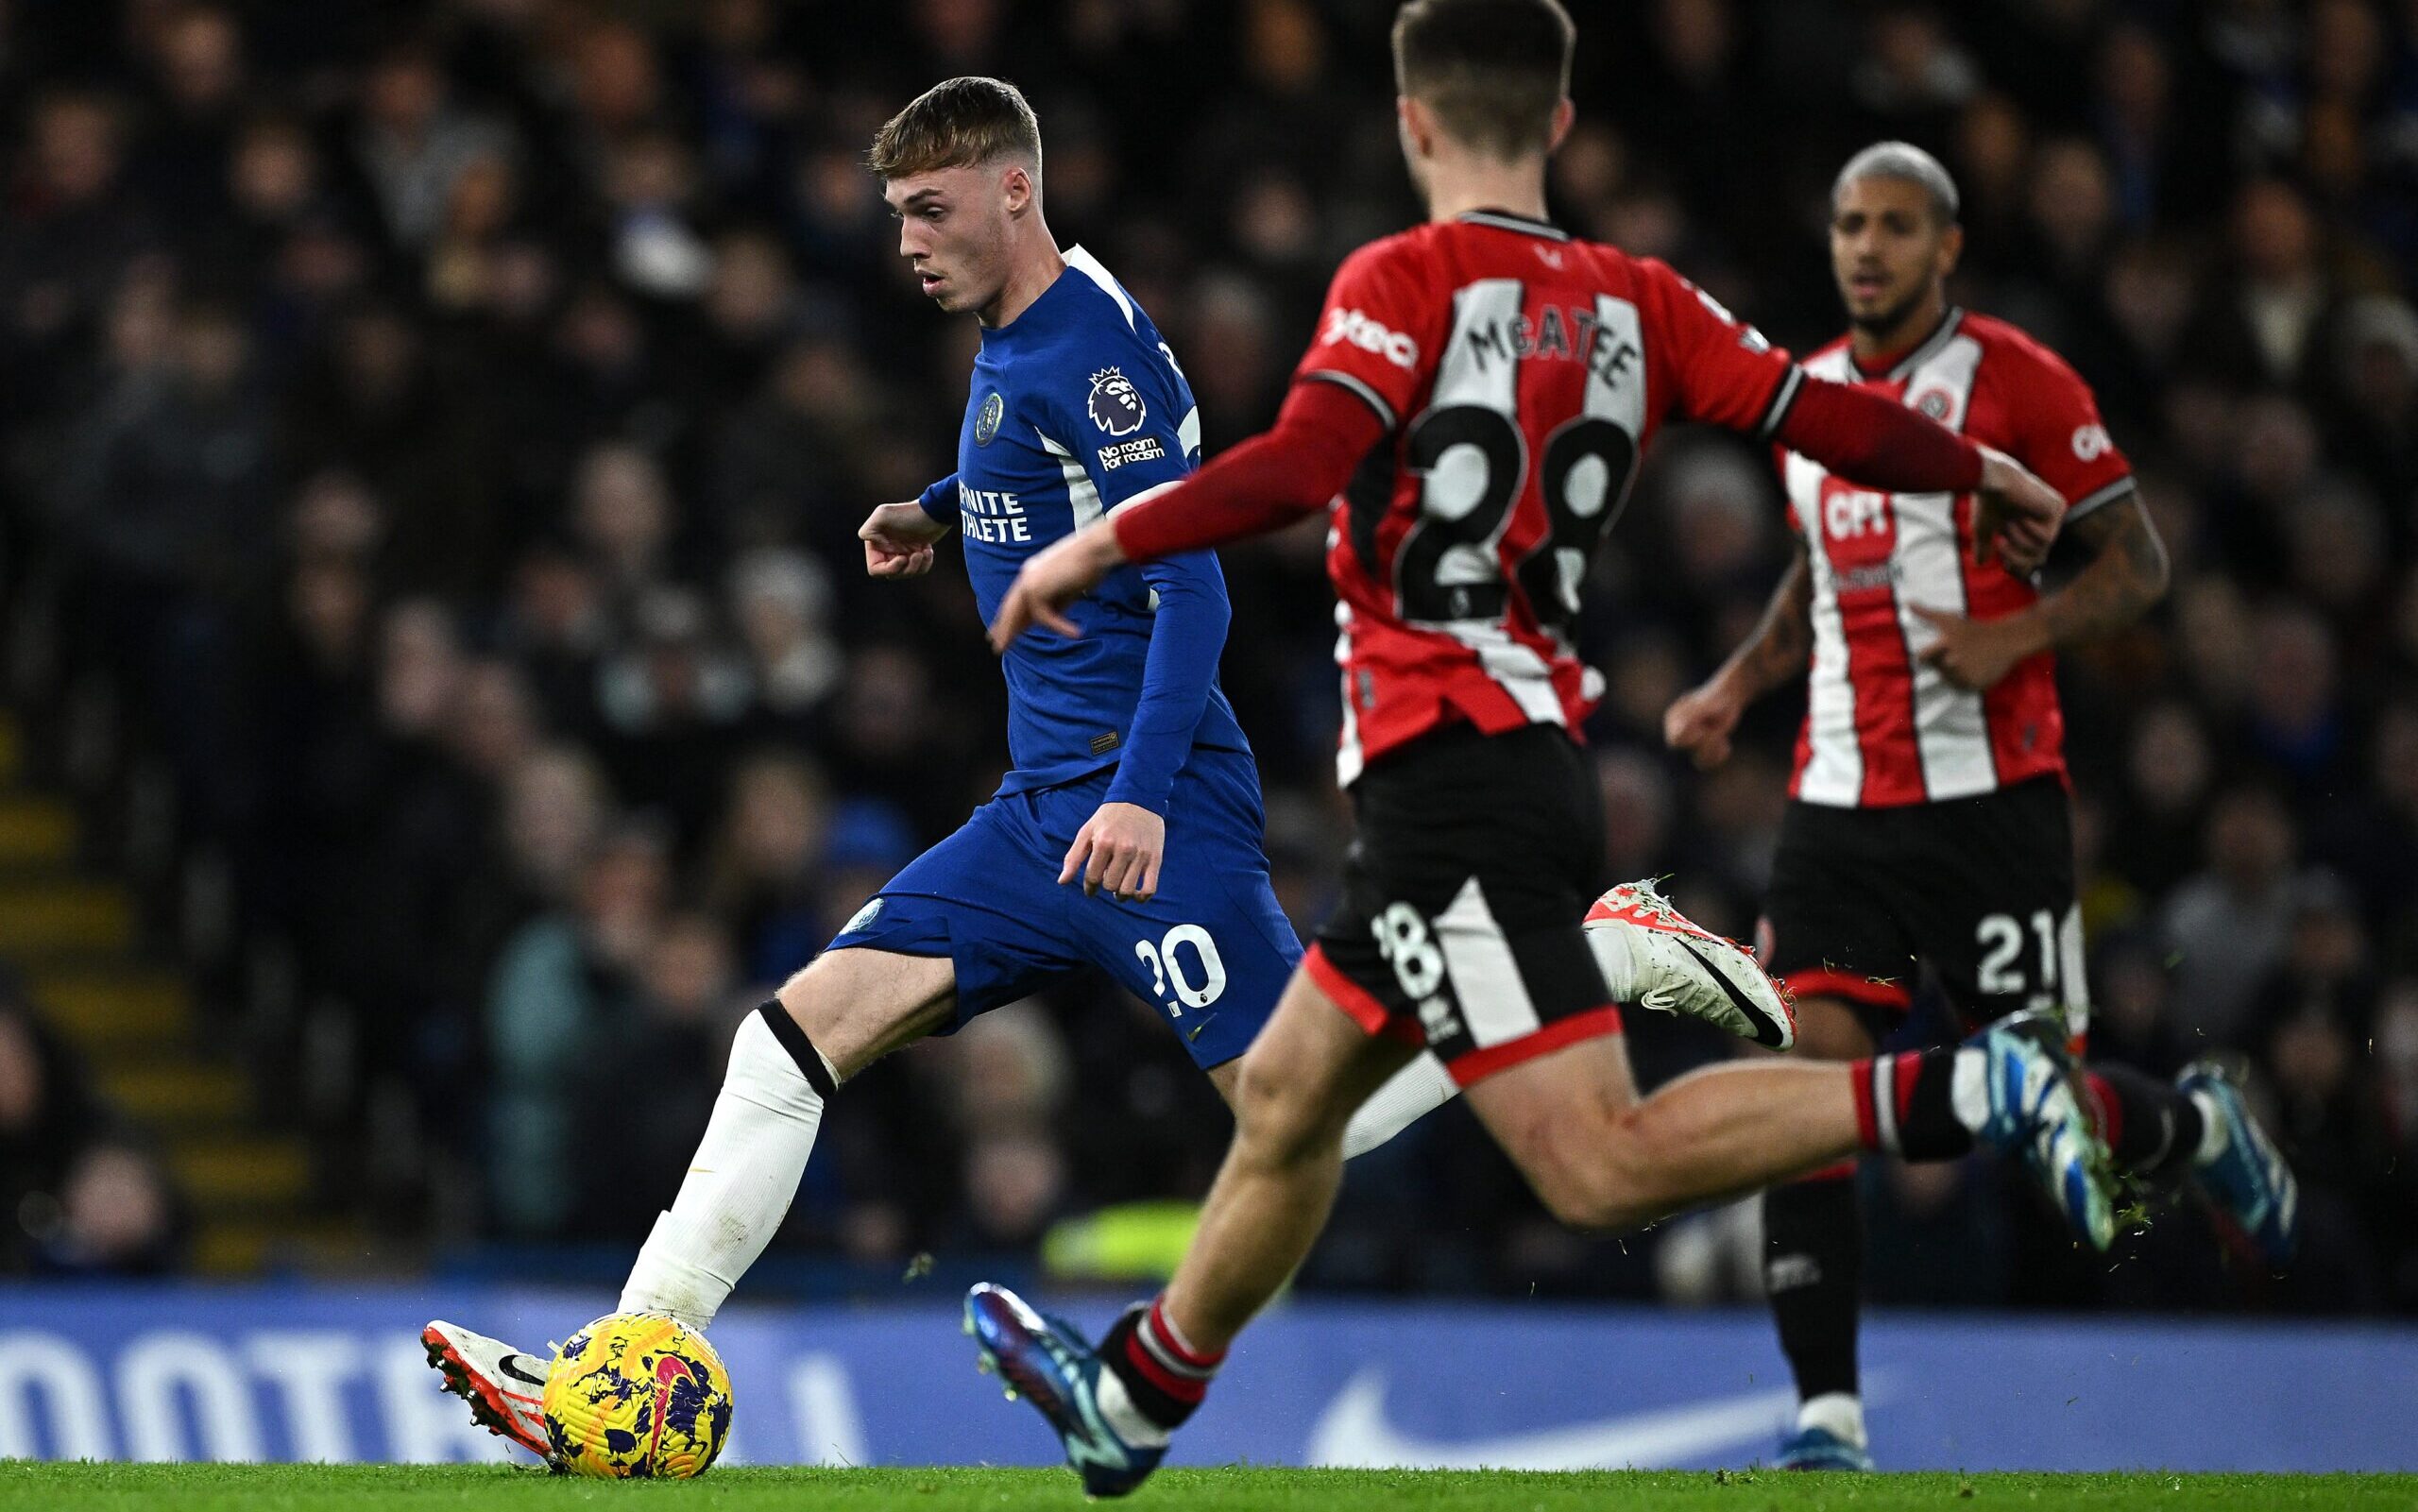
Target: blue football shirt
column 1077, row 406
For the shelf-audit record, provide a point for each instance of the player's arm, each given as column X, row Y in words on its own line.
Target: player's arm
column 1353, row 385
column 1265, row 484
column 2059, row 434
column 1725, row 373
column 1700, row 720
column 2125, row 574
column 899, row 537
column 1123, row 846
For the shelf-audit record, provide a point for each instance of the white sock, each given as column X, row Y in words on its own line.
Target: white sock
column 1839, row 1412
column 1416, row 1090
column 1968, row 1093
column 1124, row 1419
column 2212, row 1129
column 738, row 1187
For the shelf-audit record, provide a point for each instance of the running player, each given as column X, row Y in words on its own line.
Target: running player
column 1928, row 819
column 1478, row 394
column 1129, row 834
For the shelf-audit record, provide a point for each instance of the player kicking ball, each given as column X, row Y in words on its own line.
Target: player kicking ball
column 1129, row 834
column 1929, row 819
column 1474, row 405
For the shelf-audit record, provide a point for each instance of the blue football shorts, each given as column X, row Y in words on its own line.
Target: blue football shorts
column 1212, row 950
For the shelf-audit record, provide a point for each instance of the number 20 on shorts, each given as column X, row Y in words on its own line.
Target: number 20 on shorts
column 1171, row 971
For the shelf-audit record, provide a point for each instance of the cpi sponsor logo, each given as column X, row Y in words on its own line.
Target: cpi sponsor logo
column 1354, row 328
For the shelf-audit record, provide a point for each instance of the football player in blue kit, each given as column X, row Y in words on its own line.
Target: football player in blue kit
column 1127, row 834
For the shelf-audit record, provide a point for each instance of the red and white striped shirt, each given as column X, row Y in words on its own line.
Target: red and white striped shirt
column 1519, row 374
column 1881, row 728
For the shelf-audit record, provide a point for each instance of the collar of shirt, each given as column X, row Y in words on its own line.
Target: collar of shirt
column 1045, row 314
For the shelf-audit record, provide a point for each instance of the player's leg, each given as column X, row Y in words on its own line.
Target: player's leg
column 858, row 1003
column 1601, row 1163
column 1834, row 930
column 1814, row 1271
column 1115, row 1405
column 1599, row 1157
column 1308, row 1073
column 2008, row 933
column 915, row 960
column 1424, row 816
column 1459, row 925
column 846, row 1009
column 1214, row 950
column 1421, row 1087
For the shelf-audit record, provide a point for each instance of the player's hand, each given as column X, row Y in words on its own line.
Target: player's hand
column 1117, row 852
column 1699, row 722
column 1053, row 578
column 2015, row 515
column 1975, row 654
column 899, row 539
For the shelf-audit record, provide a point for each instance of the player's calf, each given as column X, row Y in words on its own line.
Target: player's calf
column 2010, row 1088
column 1598, row 1165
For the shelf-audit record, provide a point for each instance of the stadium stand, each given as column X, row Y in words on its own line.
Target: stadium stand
column 442, row 681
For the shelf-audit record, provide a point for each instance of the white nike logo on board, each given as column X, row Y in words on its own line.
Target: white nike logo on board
column 1354, row 1432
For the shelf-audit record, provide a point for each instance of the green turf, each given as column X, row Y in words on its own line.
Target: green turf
column 376, row 1487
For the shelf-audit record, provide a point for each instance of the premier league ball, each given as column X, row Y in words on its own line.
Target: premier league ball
column 634, row 1397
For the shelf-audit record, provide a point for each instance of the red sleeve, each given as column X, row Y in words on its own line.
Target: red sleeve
column 1268, row 482
column 2056, row 427
column 1878, row 442
column 1378, row 334
column 1716, row 367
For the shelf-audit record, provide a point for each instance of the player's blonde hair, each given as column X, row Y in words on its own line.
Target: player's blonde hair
column 1493, row 71
column 959, row 123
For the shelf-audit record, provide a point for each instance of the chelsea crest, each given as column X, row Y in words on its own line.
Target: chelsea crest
column 986, row 423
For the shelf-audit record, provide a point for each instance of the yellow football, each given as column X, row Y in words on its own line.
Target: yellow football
column 633, row 1396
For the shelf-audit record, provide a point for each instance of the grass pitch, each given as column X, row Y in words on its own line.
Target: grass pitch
column 378, row 1487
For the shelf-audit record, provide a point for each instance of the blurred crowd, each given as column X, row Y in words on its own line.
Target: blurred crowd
column 82, row 1191
column 434, row 435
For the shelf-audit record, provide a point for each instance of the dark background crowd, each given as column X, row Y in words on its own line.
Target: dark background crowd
column 433, row 439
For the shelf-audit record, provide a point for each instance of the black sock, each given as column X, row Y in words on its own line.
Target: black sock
column 1814, row 1268
column 1164, row 1375
column 1902, row 1105
column 2152, row 1128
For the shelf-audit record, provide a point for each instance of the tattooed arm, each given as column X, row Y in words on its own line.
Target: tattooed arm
column 2126, row 573
column 1699, row 722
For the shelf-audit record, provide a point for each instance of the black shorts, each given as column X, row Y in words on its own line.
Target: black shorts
column 1474, row 859
column 1981, row 889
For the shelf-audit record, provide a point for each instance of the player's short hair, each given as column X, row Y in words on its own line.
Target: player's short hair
column 1907, row 162
column 958, row 122
column 1493, row 71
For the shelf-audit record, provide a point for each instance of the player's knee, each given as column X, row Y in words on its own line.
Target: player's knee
column 857, row 1006
column 1277, row 1119
column 1604, row 1181
column 1831, row 1028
